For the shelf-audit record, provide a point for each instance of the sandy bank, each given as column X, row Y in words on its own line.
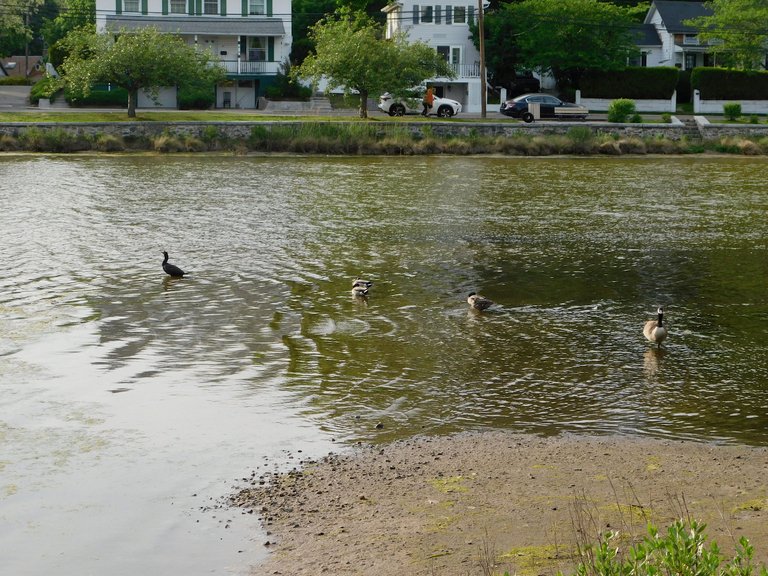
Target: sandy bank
column 453, row 505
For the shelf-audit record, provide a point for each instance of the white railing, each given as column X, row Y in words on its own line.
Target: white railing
column 236, row 67
column 466, row 70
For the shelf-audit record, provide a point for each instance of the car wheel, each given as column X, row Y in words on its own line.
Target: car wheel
column 527, row 117
column 397, row 110
column 445, row 111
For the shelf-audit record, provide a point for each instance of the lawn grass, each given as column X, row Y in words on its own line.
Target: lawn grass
column 34, row 116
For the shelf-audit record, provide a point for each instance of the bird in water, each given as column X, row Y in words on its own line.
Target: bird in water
column 654, row 330
column 478, row 302
column 360, row 287
column 171, row 269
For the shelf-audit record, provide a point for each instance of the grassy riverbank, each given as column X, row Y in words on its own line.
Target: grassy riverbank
column 102, row 132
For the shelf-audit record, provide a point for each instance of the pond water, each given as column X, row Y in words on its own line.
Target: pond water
column 131, row 402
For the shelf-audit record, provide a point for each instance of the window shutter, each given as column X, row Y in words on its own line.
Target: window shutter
column 271, row 48
column 191, row 8
column 471, row 15
column 415, row 14
column 198, row 6
column 144, row 8
column 118, row 6
column 449, row 14
column 438, row 14
column 269, row 8
column 223, row 7
column 164, row 8
column 244, row 8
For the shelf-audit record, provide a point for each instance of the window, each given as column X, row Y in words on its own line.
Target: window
column 131, row 5
column 690, row 61
column 211, row 7
column 257, row 49
column 426, row 14
column 459, row 15
column 178, row 6
column 256, row 7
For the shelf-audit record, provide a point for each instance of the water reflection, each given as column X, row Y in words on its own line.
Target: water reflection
column 574, row 252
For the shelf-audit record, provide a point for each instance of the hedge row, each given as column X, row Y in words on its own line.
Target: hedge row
column 724, row 84
column 633, row 83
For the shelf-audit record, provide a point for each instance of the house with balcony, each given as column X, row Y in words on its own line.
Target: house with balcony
column 678, row 43
column 251, row 38
column 446, row 29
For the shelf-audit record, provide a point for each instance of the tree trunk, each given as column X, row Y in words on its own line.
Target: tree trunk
column 133, row 96
column 363, row 103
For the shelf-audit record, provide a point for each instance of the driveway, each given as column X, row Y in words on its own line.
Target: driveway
column 14, row 97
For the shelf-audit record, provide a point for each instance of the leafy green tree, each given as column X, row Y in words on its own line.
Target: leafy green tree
column 564, row 37
column 142, row 60
column 738, row 29
column 351, row 53
column 74, row 14
column 307, row 13
column 18, row 19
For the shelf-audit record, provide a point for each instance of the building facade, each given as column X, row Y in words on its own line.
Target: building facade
column 251, row 38
column 446, row 29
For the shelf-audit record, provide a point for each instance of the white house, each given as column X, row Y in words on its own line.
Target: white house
column 678, row 43
column 446, row 29
column 252, row 38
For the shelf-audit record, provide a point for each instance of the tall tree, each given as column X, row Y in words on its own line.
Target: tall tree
column 17, row 24
column 737, row 32
column 74, row 14
column 142, row 60
column 351, row 53
column 564, row 37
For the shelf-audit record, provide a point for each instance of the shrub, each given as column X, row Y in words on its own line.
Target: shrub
column 683, row 550
column 727, row 84
column 197, row 96
column 581, row 138
column 754, row 119
column 100, row 96
column 109, row 143
column 666, row 118
column 8, row 143
column 15, row 81
column 44, row 89
column 637, row 83
column 620, row 109
column 636, row 118
column 732, row 110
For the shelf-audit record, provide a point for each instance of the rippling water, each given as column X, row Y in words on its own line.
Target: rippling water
column 123, row 389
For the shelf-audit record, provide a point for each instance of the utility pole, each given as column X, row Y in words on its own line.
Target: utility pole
column 26, row 46
column 481, row 36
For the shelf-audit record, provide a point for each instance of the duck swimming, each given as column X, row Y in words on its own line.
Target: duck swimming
column 478, row 302
column 360, row 287
column 654, row 330
column 171, row 269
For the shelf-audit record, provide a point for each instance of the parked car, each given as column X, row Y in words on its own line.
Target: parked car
column 443, row 107
column 549, row 107
column 524, row 83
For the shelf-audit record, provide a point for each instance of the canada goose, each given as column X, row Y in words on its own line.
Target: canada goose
column 360, row 287
column 654, row 330
column 478, row 302
column 170, row 269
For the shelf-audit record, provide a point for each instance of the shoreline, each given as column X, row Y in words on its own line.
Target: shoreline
column 458, row 504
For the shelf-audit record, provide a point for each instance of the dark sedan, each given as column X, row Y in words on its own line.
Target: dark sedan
column 530, row 107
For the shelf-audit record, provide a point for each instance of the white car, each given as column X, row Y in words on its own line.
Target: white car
column 443, row 107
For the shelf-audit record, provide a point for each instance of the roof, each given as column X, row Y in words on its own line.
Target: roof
column 674, row 12
column 246, row 26
column 646, row 35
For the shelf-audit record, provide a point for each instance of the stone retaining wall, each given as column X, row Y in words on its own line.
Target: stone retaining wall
column 242, row 130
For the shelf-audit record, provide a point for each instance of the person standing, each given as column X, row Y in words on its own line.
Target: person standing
column 429, row 98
